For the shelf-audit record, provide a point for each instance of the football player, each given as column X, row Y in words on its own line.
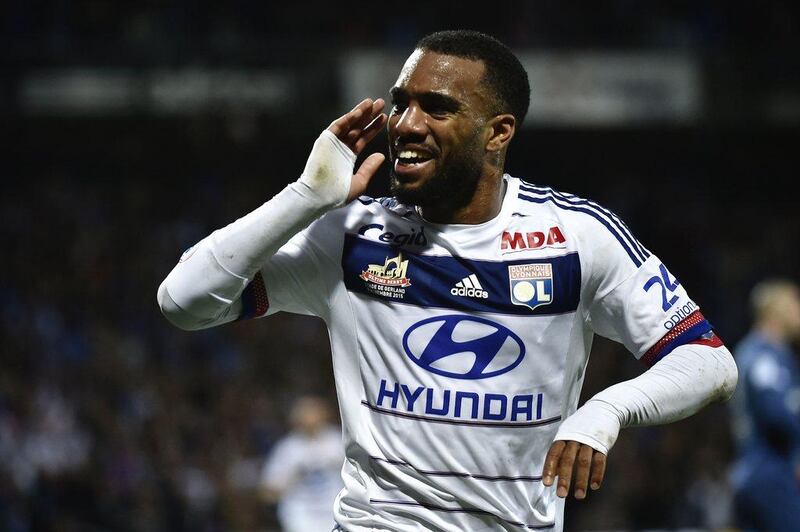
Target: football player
column 766, row 476
column 462, row 309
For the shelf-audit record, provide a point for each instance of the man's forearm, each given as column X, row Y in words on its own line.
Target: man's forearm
column 679, row 385
column 211, row 276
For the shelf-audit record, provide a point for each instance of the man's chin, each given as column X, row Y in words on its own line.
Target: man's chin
column 410, row 194
column 446, row 189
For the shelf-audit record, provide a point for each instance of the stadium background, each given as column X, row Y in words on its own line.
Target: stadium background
column 131, row 130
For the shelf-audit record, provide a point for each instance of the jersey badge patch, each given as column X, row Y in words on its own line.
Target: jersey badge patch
column 389, row 279
column 531, row 284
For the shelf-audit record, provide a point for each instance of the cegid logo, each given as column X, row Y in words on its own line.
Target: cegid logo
column 463, row 347
column 414, row 238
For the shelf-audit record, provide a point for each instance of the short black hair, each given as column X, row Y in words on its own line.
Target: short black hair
column 505, row 76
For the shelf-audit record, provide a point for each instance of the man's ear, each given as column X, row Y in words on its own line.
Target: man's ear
column 501, row 129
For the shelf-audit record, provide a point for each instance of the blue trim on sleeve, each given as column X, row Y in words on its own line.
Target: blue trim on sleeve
column 691, row 334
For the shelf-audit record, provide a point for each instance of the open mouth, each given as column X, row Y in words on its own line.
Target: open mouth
column 412, row 157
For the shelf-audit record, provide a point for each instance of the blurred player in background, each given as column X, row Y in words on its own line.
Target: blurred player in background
column 302, row 473
column 461, row 311
column 766, row 476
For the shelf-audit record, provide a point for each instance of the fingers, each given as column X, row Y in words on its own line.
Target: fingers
column 570, row 459
column 361, row 124
column 583, row 466
column 565, row 467
column 551, row 462
column 342, row 125
column 358, row 185
column 364, row 129
column 368, row 115
column 598, row 470
column 369, row 132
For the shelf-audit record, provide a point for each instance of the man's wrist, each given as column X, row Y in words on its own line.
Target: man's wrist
column 325, row 180
column 595, row 424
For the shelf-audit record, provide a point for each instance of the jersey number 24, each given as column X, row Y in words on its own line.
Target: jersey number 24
column 666, row 285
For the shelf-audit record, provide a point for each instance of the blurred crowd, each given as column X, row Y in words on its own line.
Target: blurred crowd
column 109, row 420
column 161, row 32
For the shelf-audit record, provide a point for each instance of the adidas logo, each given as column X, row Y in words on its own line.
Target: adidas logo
column 470, row 287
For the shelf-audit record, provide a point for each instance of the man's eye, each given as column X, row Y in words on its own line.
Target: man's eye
column 439, row 112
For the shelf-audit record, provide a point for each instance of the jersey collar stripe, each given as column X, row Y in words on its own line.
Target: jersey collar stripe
column 523, row 424
column 592, row 213
column 613, row 218
column 430, row 473
column 437, row 508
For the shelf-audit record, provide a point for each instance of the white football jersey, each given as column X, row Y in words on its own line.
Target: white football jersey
column 458, row 349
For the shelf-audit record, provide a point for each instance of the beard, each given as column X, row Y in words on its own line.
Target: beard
column 452, row 187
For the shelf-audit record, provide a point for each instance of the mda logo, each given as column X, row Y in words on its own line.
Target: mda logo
column 463, row 347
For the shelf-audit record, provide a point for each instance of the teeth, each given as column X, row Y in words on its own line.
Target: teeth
column 412, row 154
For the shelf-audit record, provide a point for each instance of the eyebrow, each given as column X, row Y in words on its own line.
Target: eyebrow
column 429, row 98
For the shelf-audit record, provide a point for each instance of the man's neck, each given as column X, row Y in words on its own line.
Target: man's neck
column 485, row 204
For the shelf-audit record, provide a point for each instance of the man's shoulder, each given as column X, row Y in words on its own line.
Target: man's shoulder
column 592, row 225
column 752, row 344
column 755, row 346
column 386, row 204
column 365, row 209
column 535, row 197
column 761, row 362
column 360, row 215
column 578, row 214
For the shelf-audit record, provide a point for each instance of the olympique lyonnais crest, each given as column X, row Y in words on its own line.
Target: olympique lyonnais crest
column 389, row 279
column 531, row 284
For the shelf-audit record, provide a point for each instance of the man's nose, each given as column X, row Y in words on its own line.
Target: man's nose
column 412, row 122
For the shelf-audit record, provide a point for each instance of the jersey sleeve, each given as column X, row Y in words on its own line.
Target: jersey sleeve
column 301, row 276
column 634, row 298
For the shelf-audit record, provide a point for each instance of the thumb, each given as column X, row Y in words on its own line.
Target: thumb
column 358, row 185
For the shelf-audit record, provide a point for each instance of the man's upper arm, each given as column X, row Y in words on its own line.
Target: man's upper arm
column 640, row 303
